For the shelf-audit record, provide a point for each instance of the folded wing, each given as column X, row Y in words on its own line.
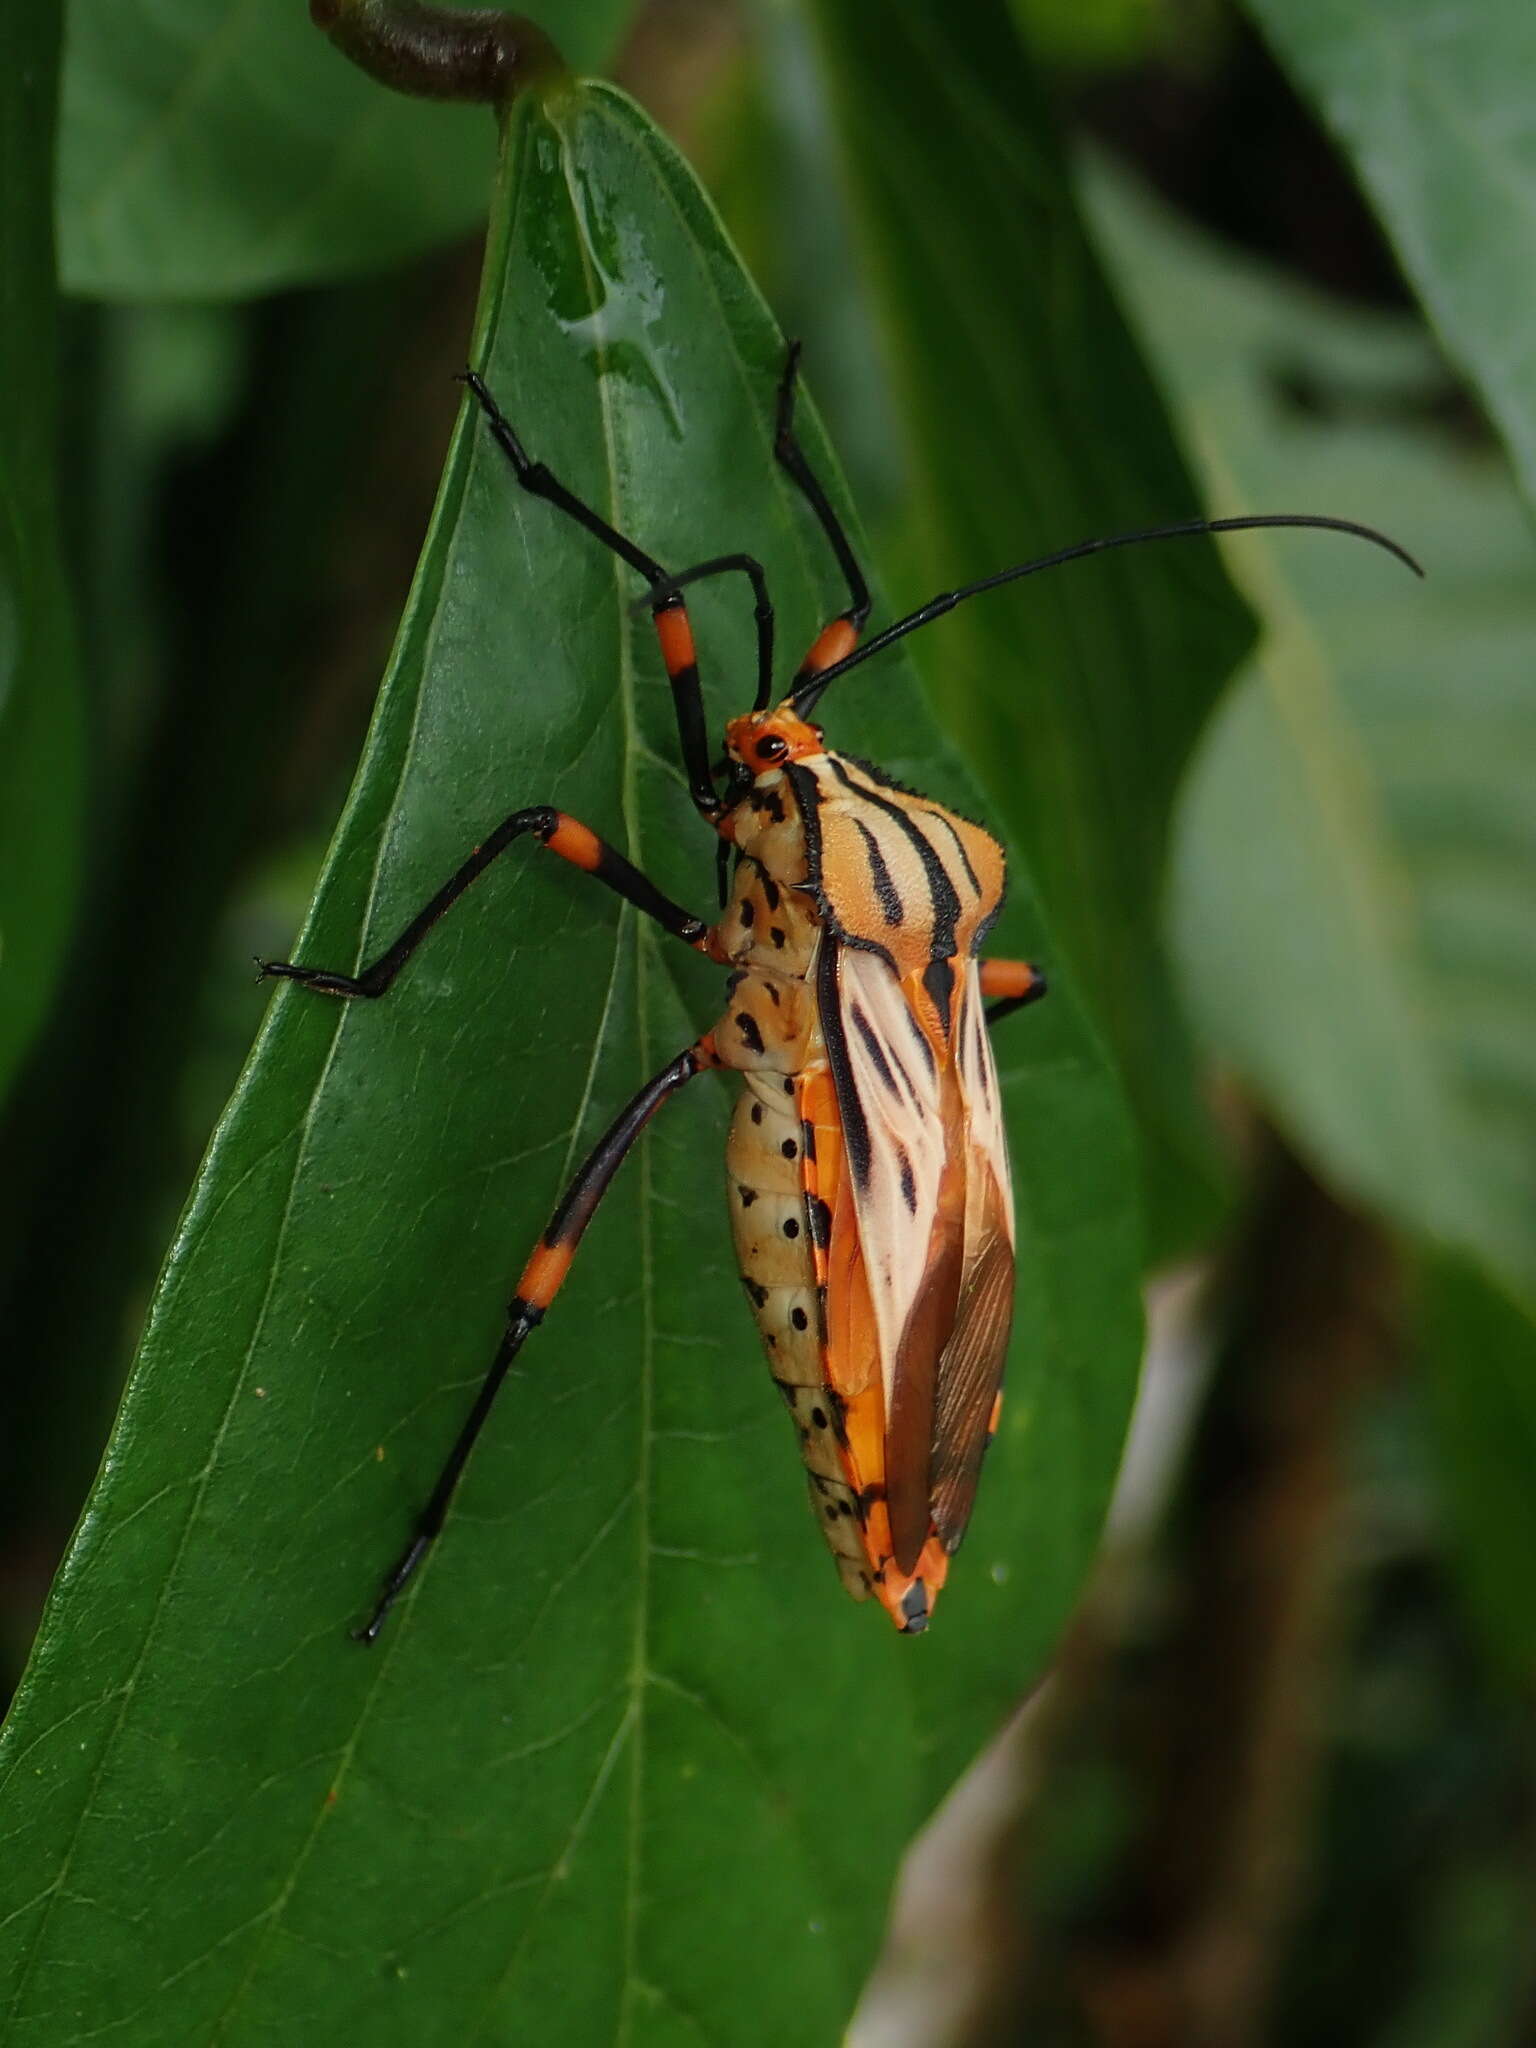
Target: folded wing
column 926, row 1163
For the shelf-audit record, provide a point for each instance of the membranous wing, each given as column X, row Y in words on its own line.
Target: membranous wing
column 971, row 1368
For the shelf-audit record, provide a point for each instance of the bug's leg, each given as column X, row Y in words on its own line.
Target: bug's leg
column 1015, row 982
column 762, row 609
column 538, row 479
column 835, row 641
column 540, row 1283
column 563, row 835
column 667, row 607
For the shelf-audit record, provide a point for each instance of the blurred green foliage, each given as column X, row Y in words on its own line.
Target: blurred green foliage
column 1353, row 858
column 40, row 783
column 629, row 1768
column 210, row 150
column 1430, row 103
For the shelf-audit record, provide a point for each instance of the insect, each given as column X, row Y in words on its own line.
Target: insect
column 867, row 1166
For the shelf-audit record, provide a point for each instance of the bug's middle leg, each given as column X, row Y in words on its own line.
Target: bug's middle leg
column 541, row 1280
column 1015, row 982
column 562, row 834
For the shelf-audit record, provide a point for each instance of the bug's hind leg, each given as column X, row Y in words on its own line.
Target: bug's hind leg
column 1015, row 982
column 541, row 1281
column 837, row 639
column 563, row 835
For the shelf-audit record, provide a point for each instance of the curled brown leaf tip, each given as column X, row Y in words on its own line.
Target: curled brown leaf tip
column 484, row 55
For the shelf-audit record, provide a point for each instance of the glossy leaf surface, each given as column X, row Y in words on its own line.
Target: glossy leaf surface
column 626, row 1765
column 39, row 713
column 211, row 149
column 1032, row 423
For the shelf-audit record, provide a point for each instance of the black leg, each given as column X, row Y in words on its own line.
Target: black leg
column 536, row 478
column 792, row 456
column 563, row 835
column 667, row 605
column 762, row 610
column 540, row 1283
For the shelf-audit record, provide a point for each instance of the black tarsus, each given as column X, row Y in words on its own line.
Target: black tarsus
column 543, row 821
column 805, row 695
column 572, row 1215
column 541, row 481
column 792, row 458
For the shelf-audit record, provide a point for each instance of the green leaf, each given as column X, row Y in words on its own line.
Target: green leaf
column 39, row 712
column 212, row 149
column 1355, row 868
column 1033, row 424
column 1432, row 104
column 1478, row 1350
column 626, row 1762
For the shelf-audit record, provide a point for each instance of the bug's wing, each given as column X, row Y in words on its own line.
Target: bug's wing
column 892, row 1094
column 971, row 1369
column 925, row 1240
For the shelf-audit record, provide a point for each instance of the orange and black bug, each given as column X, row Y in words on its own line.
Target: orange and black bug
column 867, row 1167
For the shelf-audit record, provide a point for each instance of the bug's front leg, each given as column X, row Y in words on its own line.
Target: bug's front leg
column 562, row 834
column 542, row 1278
column 666, row 600
column 1014, row 982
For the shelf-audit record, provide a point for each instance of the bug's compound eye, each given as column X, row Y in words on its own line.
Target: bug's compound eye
column 770, row 748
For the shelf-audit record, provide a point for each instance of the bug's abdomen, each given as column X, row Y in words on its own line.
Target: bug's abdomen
column 775, row 1252
column 771, row 1032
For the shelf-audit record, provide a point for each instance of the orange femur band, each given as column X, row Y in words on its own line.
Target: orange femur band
column 832, row 645
column 676, row 637
column 543, row 1274
column 1007, row 978
column 576, row 842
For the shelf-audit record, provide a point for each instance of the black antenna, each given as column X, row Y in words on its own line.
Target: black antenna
column 804, row 699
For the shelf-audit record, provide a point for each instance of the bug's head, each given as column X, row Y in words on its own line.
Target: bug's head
column 765, row 740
